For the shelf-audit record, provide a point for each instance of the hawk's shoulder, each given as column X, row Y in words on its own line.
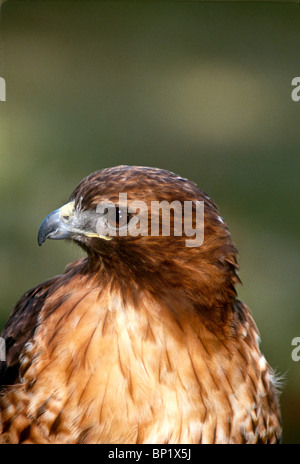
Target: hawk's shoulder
column 22, row 322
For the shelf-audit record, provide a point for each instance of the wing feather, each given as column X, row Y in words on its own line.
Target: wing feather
column 20, row 328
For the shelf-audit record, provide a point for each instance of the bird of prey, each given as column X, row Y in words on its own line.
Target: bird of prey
column 144, row 340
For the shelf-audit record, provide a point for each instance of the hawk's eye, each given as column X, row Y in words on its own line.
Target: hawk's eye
column 118, row 217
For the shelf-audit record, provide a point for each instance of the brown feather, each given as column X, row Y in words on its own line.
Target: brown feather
column 143, row 341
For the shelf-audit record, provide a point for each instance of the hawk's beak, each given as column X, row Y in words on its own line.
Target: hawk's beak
column 65, row 223
column 55, row 225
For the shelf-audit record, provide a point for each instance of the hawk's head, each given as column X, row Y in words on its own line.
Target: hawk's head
column 150, row 226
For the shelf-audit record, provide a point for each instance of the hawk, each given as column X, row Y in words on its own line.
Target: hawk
column 142, row 341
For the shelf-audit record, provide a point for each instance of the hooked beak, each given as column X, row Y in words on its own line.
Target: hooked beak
column 55, row 225
column 65, row 223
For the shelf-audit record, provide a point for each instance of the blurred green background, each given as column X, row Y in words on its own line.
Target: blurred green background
column 202, row 89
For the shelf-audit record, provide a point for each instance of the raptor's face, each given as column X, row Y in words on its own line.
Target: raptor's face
column 110, row 215
column 128, row 202
column 137, row 217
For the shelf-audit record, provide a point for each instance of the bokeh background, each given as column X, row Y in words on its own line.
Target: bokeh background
column 199, row 88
